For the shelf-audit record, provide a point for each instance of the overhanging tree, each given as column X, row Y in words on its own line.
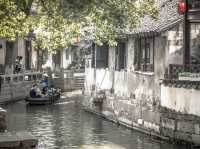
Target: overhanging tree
column 56, row 23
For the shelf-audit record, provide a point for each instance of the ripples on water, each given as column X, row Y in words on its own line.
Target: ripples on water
column 66, row 126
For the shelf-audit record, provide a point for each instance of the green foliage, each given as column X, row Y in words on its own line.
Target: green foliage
column 56, row 23
column 12, row 20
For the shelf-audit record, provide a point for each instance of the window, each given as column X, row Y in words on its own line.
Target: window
column 10, row 53
column 143, row 59
column 121, row 56
column 44, row 56
column 101, row 56
column 195, row 43
column 67, row 53
column 192, row 33
column 193, row 13
column 28, row 55
column 194, row 4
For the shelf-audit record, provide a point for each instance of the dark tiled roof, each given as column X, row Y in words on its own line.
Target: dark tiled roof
column 168, row 17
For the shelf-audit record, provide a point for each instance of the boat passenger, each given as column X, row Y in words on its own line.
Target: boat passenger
column 35, row 92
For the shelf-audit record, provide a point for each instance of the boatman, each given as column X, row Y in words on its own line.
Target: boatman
column 45, row 83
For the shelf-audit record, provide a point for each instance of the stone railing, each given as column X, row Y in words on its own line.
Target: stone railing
column 33, row 76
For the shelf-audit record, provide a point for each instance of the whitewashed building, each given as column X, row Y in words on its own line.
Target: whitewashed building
column 142, row 82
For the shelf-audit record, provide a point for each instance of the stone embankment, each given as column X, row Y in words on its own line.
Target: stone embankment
column 19, row 140
column 67, row 80
column 155, row 121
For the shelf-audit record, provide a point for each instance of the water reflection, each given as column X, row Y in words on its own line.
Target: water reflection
column 66, row 126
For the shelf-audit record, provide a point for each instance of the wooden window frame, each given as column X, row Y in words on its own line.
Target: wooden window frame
column 121, row 56
column 192, row 9
column 105, row 59
column 145, row 62
column 190, row 17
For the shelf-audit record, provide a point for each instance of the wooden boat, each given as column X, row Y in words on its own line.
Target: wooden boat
column 49, row 99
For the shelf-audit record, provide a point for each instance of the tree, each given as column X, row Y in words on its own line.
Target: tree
column 56, row 23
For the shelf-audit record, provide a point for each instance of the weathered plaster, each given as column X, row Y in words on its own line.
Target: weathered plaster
column 49, row 62
column 34, row 59
column 181, row 99
column 175, row 45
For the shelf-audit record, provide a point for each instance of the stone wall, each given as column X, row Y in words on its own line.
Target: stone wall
column 65, row 84
column 162, row 123
column 128, row 112
column 16, row 87
column 180, row 127
column 68, row 80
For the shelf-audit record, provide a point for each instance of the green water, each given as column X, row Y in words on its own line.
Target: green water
column 66, row 126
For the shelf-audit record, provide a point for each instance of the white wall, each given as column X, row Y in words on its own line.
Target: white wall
column 34, row 59
column 21, row 49
column 124, row 82
column 181, row 100
column 130, row 59
column 103, row 79
column 49, row 62
column 175, row 45
column 64, row 61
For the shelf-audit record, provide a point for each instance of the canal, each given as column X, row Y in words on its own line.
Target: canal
column 66, row 126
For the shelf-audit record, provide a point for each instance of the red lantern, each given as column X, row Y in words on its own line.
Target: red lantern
column 182, row 7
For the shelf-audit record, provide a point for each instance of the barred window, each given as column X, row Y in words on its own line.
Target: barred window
column 101, row 56
column 143, row 59
column 194, row 4
column 121, row 56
